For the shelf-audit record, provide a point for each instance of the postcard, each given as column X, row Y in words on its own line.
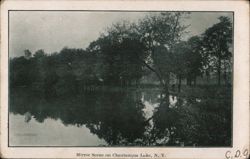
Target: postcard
column 125, row 79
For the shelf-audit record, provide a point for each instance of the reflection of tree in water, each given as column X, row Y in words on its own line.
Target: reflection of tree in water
column 171, row 124
column 192, row 122
column 118, row 117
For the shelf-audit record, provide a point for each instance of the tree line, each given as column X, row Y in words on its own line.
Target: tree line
column 128, row 51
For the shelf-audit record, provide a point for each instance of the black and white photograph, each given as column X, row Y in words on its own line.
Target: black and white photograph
column 120, row 78
column 124, row 79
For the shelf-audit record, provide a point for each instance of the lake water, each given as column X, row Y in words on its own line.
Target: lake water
column 105, row 118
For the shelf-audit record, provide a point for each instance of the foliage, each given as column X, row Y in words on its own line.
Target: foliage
column 64, row 85
column 127, row 52
column 160, row 32
column 118, row 117
column 217, row 41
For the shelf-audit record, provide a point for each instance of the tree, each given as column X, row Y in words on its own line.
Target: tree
column 27, row 54
column 51, row 77
column 121, row 53
column 181, row 64
column 21, row 72
column 160, row 32
column 217, row 40
column 39, row 62
column 39, row 54
column 194, row 58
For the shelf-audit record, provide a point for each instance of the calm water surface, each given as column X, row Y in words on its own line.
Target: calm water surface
column 105, row 118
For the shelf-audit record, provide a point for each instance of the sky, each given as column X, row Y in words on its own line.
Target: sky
column 54, row 30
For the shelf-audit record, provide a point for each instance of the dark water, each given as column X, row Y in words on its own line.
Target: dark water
column 138, row 117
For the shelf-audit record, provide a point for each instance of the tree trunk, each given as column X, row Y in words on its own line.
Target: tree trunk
column 219, row 71
column 189, row 81
column 162, row 82
column 195, row 81
column 225, row 73
column 225, row 77
column 167, row 83
column 179, row 84
column 207, row 79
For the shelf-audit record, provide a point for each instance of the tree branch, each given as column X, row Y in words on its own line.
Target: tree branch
column 152, row 69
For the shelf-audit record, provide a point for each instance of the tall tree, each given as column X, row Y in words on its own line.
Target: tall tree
column 27, row 54
column 39, row 63
column 194, row 58
column 121, row 52
column 181, row 65
column 217, row 40
column 160, row 32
